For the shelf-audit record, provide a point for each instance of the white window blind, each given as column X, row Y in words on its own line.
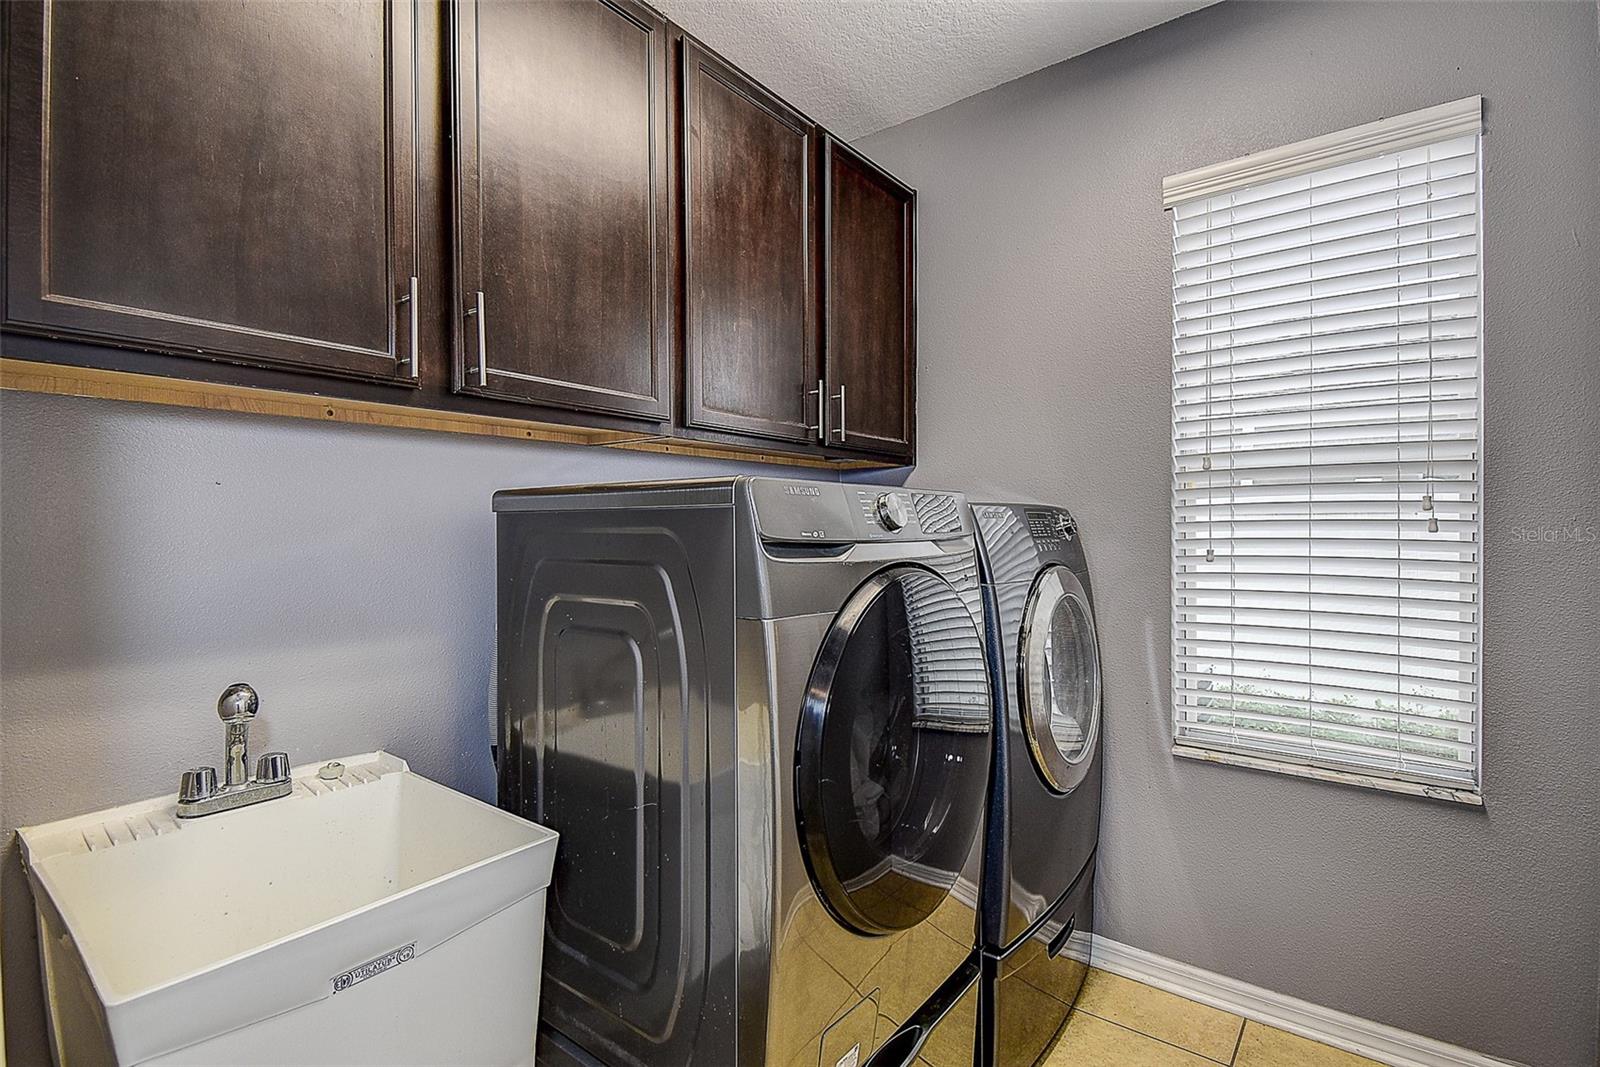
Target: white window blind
column 1326, row 570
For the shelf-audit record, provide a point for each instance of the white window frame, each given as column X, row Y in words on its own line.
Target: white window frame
column 1426, row 127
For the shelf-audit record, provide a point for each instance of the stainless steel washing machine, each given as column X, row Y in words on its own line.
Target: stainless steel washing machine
column 758, row 712
column 1044, row 818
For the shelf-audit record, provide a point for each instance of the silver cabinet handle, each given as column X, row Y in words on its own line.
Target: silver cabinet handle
column 841, row 430
column 483, row 339
column 821, row 393
column 411, row 354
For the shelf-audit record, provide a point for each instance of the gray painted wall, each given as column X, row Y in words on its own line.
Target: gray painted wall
column 1045, row 326
column 149, row 556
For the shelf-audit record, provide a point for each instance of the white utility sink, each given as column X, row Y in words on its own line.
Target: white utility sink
column 376, row 918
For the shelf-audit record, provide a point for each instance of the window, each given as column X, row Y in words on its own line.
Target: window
column 1326, row 383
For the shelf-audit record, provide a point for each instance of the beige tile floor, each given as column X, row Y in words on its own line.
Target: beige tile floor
column 1122, row 1023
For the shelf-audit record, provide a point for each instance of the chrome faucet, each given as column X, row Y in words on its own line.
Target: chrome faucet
column 198, row 792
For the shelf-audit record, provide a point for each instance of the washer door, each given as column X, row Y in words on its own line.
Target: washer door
column 1059, row 678
column 892, row 758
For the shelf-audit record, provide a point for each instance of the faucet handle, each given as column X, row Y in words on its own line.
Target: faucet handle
column 273, row 768
column 238, row 703
column 198, row 783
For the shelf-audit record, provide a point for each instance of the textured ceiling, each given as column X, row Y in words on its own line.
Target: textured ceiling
column 859, row 66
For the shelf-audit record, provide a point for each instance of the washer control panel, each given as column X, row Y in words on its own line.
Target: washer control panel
column 1051, row 528
column 837, row 512
column 913, row 512
column 883, row 511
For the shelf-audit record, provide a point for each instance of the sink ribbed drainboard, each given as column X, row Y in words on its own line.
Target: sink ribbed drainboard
column 353, row 776
column 121, row 831
column 139, row 827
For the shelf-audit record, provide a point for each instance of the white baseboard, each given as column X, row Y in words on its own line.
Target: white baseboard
column 1386, row 1044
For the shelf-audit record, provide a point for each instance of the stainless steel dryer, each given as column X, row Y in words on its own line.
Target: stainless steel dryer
column 758, row 712
column 1044, row 814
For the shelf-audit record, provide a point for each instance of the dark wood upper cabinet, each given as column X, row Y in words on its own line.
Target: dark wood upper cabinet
column 869, row 307
column 750, row 350
column 562, row 239
column 557, row 214
column 233, row 181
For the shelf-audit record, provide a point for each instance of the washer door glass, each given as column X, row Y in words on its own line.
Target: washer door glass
column 1059, row 678
column 892, row 757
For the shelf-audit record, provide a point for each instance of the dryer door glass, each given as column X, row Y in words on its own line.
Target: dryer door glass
column 1059, row 677
column 892, row 758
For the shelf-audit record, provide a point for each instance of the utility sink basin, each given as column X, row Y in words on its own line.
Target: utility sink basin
column 372, row 918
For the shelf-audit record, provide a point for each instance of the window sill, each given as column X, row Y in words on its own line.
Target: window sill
column 1466, row 797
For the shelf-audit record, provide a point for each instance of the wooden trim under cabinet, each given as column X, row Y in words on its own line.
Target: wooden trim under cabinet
column 27, row 376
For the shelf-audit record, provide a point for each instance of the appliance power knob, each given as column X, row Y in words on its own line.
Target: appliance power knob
column 891, row 512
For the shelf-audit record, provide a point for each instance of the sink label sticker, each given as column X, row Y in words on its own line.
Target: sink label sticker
column 393, row 958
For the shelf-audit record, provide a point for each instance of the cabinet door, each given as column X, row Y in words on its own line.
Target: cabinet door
column 869, row 305
column 232, row 181
column 561, row 221
column 750, row 362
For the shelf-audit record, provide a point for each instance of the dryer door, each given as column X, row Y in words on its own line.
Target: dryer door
column 892, row 757
column 1058, row 677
